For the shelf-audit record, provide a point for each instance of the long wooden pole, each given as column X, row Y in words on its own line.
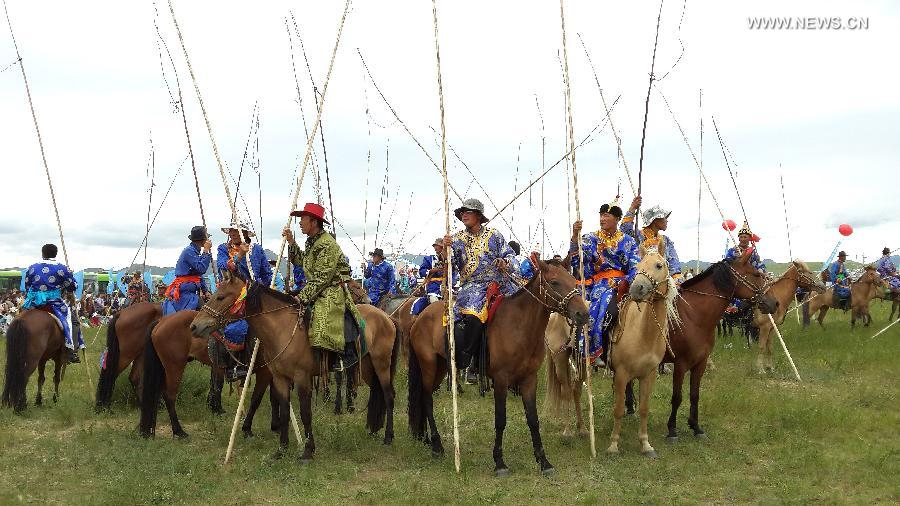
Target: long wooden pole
column 637, row 212
column 784, row 347
column 571, row 141
column 449, row 276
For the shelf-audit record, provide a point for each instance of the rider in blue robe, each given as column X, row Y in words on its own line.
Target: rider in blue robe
column 381, row 277
column 184, row 291
column 838, row 275
column 45, row 283
column 521, row 271
column 656, row 220
column 232, row 256
column 614, row 257
column 744, row 238
column 433, row 272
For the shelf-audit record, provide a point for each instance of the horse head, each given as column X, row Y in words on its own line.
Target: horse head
column 750, row 283
column 807, row 279
column 560, row 290
column 652, row 274
column 223, row 307
column 358, row 293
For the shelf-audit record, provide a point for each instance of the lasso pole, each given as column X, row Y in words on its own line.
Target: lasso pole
column 449, row 276
column 637, row 212
column 784, row 347
column 787, row 227
column 571, row 142
column 37, row 130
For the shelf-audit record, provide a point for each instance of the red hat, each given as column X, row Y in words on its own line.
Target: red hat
column 313, row 211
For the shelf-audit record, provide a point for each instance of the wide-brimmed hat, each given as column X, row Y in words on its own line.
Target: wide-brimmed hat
column 377, row 253
column 438, row 242
column 655, row 213
column 240, row 226
column 842, row 254
column 313, row 211
column 470, row 205
column 198, row 233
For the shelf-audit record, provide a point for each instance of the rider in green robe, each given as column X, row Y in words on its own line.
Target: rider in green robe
column 327, row 273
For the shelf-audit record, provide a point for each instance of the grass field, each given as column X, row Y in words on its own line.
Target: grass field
column 834, row 438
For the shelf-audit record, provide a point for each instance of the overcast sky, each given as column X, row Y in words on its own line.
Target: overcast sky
column 817, row 106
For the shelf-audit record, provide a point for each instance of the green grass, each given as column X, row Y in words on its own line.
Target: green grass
column 832, row 438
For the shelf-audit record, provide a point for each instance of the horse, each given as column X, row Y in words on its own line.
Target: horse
column 564, row 382
column 400, row 308
column 640, row 339
column 290, row 357
column 515, row 338
column 125, row 337
column 33, row 338
column 862, row 291
column 359, row 296
column 702, row 302
column 783, row 290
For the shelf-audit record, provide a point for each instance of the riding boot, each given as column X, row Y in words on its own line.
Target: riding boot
column 73, row 357
column 350, row 357
column 459, row 336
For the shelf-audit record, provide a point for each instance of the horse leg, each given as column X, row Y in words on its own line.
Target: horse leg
column 259, row 390
column 57, row 374
column 529, row 400
column 351, row 387
column 620, row 385
column 437, row 448
column 38, row 399
column 576, row 403
column 760, row 356
column 282, row 390
column 693, row 419
column 677, row 380
column 647, row 383
column 304, row 394
column 338, row 400
column 500, row 468
column 629, row 398
column 821, row 318
column 173, row 380
column 216, row 382
column 770, row 362
column 276, row 409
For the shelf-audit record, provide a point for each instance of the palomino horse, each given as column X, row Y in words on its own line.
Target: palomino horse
column 515, row 349
column 564, row 382
column 33, row 338
column 862, row 291
column 125, row 337
column 290, row 358
column 640, row 340
column 783, row 290
column 702, row 303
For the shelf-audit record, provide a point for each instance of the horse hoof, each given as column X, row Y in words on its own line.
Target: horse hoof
column 437, row 453
column 549, row 471
column 305, row 461
column 388, row 441
column 650, row 454
column 337, row 411
column 248, row 434
column 181, row 435
column 351, row 409
column 277, row 455
column 700, row 435
column 502, row 472
column 672, row 439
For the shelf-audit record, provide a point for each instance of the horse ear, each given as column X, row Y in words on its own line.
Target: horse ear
column 226, row 277
column 535, row 258
column 642, row 251
column 661, row 248
column 567, row 261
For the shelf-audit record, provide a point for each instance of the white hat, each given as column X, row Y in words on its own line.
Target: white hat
column 239, row 226
column 654, row 213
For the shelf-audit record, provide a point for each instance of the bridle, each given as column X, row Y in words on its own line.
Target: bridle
column 758, row 292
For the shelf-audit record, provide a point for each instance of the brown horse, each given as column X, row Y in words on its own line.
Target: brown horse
column 862, row 291
column 277, row 321
column 783, row 290
column 564, row 381
column 125, row 338
column 640, row 339
column 33, row 338
column 170, row 345
column 515, row 338
column 701, row 305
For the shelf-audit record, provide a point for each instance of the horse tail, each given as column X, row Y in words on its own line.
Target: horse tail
column 377, row 407
column 110, row 369
column 16, row 363
column 416, row 401
column 154, row 375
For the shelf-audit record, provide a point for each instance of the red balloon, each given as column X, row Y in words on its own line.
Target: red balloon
column 755, row 238
column 845, row 230
column 729, row 225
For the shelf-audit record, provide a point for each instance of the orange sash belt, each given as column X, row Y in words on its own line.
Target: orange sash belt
column 174, row 290
column 612, row 273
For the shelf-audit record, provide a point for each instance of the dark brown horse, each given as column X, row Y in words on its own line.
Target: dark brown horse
column 702, row 303
column 125, row 338
column 516, row 350
column 277, row 321
column 169, row 346
column 32, row 339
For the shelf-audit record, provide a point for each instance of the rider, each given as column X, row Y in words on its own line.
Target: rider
column 657, row 220
column 184, row 291
column 521, row 268
column 838, row 275
column 45, row 283
column 481, row 256
column 233, row 255
column 612, row 257
column 381, row 277
column 888, row 270
column 327, row 273
column 744, row 238
column 432, row 271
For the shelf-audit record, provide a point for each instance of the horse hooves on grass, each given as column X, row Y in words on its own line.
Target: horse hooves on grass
column 650, row 454
column 248, row 434
column 351, row 409
column 181, row 435
column 437, row 453
column 305, row 460
column 388, row 441
column 501, row 473
column 549, row 471
column 672, row 439
column 279, row 453
column 700, row 435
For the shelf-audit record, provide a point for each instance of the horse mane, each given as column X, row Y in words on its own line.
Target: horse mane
column 554, row 263
column 723, row 279
column 255, row 292
column 801, row 264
